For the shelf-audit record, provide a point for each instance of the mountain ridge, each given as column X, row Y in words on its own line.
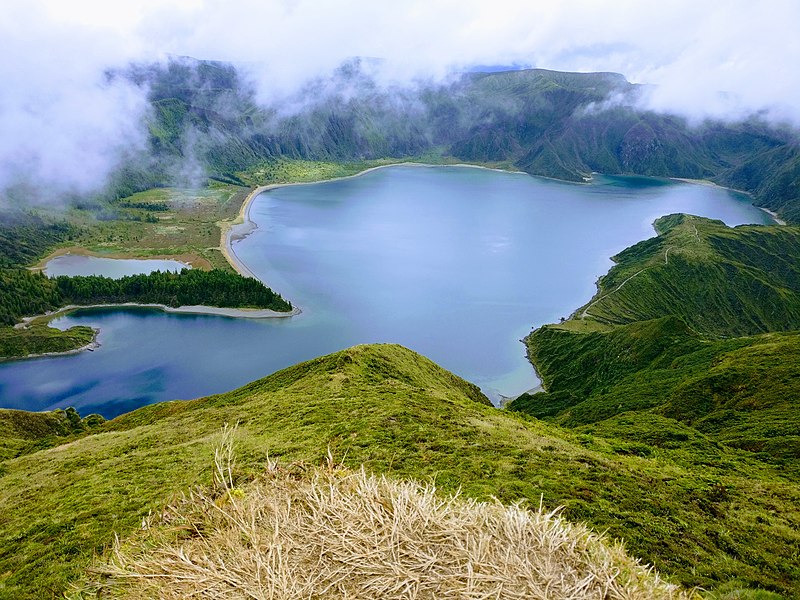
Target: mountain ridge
column 395, row 412
column 549, row 123
column 699, row 324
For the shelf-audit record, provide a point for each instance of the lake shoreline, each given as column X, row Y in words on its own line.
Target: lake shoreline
column 243, row 226
column 774, row 215
column 196, row 309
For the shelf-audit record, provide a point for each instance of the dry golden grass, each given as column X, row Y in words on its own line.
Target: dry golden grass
column 334, row 533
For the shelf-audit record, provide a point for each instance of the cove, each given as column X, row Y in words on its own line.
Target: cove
column 455, row 263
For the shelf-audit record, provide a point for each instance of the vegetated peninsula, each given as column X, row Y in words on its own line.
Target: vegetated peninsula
column 699, row 324
column 25, row 293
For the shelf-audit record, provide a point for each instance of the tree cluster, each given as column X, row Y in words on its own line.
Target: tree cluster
column 24, row 293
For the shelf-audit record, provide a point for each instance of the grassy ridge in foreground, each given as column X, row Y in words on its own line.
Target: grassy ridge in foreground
column 693, row 510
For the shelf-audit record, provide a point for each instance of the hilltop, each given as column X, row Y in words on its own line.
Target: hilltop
column 687, row 505
column 331, row 533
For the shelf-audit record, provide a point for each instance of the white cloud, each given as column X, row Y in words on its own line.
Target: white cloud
column 62, row 125
column 59, row 120
column 691, row 50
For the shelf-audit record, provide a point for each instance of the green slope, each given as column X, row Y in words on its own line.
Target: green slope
column 719, row 281
column 23, row 432
column 693, row 329
column 703, row 513
column 697, row 324
column 744, row 391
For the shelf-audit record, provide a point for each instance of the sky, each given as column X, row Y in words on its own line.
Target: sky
column 60, row 121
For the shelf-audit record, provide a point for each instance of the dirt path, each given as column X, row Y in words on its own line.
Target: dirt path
column 585, row 312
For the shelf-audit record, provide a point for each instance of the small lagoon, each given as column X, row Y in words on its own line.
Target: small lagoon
column 76, row 264
column 455, row 263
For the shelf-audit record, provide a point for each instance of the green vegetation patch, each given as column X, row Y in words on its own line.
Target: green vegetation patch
column 38, row 338
column 161, row 222
column 23, row 432
column 187, row 288
column 695, row 513
column 719, row 281
column 661, row 336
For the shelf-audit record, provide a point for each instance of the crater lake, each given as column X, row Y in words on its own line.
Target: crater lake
column 456, row 263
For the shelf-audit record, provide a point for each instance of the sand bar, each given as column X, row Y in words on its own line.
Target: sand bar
column 772, row 214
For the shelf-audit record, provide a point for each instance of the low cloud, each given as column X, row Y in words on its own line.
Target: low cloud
column 66, row 125
column 719, row 59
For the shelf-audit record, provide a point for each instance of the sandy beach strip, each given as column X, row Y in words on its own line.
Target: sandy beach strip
column 774, row 215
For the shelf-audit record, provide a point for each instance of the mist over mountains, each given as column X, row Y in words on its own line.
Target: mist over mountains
column 66, row 127
column 197, row 119
column 205, row 120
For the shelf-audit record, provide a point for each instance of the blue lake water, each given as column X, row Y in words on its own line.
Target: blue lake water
column 74, row 264
column 456, row 263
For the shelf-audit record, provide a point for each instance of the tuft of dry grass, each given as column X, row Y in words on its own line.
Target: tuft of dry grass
column 334, row 533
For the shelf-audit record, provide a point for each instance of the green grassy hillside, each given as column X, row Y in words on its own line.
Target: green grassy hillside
column 719, row 281
column 743, row 391
column 23, row 432
column 703, row 513
column 694, row 330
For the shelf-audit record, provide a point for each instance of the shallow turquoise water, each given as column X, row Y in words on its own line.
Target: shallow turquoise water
column 456, row 263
